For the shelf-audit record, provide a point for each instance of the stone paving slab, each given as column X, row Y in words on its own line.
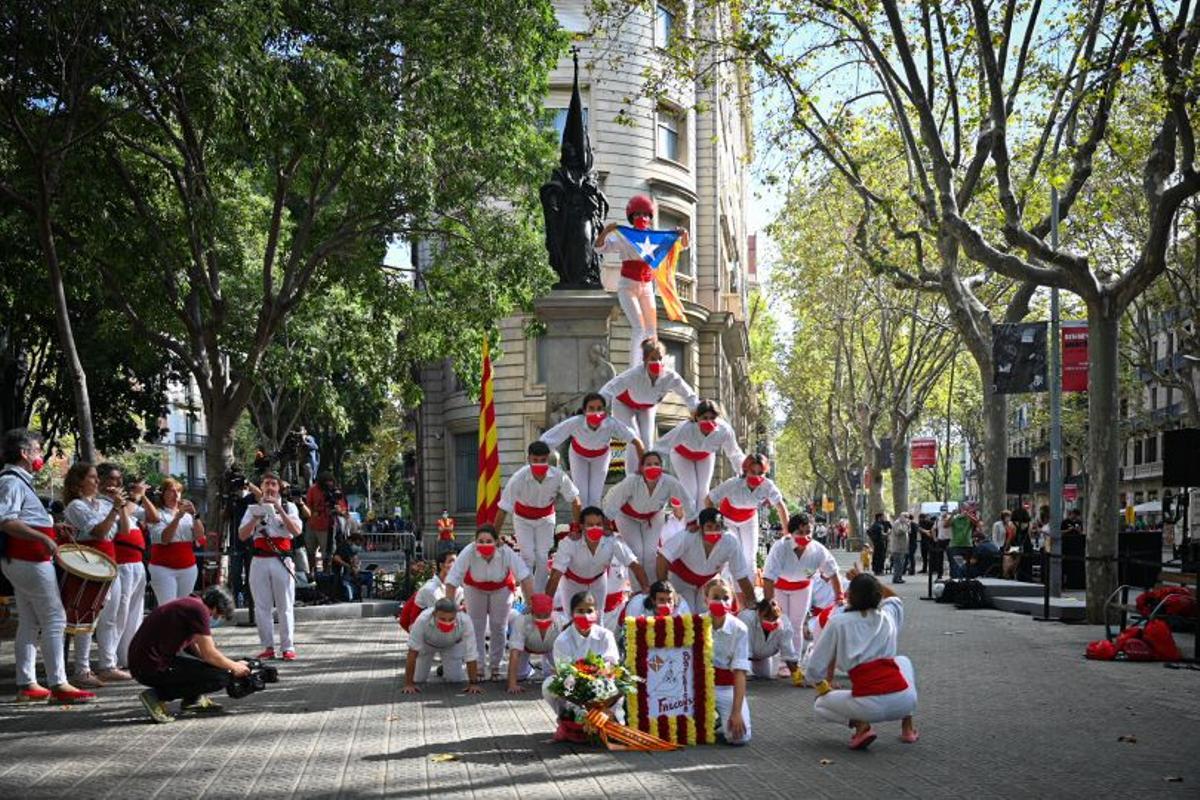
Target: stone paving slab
column 1008, row 708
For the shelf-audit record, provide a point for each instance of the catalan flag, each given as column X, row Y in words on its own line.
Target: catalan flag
column 487, row 492
column 659, row 249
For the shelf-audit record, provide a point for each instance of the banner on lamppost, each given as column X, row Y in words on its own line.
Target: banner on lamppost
column 1074, row 357
column 1019, row 358
column 1070, row 492
column 923, row 453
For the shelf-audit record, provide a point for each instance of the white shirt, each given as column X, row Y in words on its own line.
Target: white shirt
column 272, row 524
column 184, row 532
column 763, row 644
column 589, row 438
column 425, row 635
column 19, row 501
column 85, row 514
column 944, row 530
column 431, row 591
column 571, row 645
column 526, row 636
column 503, row 561
column 854, row 638
column 782, row 561
column 740, row 495
column 637, row 607
column 689, row 435
column 823, row 593
column 688, row 547
column 523, row 488
column 999, row 533
column 633, row 490
column 576, row 556
column 636, row 381
column 731, row 644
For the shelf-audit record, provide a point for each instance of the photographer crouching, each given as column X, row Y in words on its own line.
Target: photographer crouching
column 174, row 654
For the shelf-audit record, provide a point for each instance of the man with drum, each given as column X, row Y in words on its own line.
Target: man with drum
column 29, row 542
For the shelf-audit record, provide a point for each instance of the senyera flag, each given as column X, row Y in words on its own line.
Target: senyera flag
column 660, row 250
column 487, row 491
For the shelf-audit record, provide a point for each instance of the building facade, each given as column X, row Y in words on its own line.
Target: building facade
column 183, row 438
column 695, row 166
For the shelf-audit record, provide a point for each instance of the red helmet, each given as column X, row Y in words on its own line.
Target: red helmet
column 639, row 204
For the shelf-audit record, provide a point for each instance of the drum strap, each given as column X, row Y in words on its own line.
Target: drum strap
column 282, row 556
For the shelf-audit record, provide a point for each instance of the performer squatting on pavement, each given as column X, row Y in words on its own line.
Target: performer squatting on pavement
column 533, row 634
column 730, row 661
column 446, row 631
column 591, row 432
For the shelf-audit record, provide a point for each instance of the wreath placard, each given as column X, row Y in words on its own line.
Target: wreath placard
column 677, row 699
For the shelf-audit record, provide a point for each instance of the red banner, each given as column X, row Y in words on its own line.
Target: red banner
column 923, row 453
column 1070, row 492
column 1074, row 357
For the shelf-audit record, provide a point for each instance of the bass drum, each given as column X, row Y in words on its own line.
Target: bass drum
column 86, row 575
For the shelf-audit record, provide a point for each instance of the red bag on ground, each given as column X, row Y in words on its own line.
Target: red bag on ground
column 409, row 612
column 1102, row 650
column 1179, row 601
column 1162, row 644
column 1138, row 649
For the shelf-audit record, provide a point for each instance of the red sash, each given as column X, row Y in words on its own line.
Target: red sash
column 613, row 601
column 881, row 676
column 736, row 513
column 131, row 546
column 106, row 546
column 822, row 614
column 586, row 452
column 685, row 572
column 628, row 400
column 28, row 549
column 262, row 548
column 176, row 555
column 637, row 270
column 724, row 677
column 533, row 512
column 630, row 511
column 580, row 579
column 791, row 586
column 509, row 582
column 691, row 455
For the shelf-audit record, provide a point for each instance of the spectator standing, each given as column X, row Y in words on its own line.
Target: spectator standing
column 962, row 530
column 877, row 533
column 914, row 537
column 941, row 544
column 925, row 527
column 328, row 506
column 898, row 544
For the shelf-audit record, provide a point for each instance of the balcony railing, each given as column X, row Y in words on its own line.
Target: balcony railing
column 191, row 439
column 196, row 485
column 1152, row 469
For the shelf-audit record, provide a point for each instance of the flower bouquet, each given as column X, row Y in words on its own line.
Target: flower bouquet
column 591, row 686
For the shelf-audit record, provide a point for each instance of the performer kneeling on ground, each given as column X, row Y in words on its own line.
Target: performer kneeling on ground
column 442, row 630
column 731, row 660
column 532, row 634
column 272, row 524
column 862, row 641
column 27, row 565
column 583, row 635
column 694, row 558
column 174, row 654
column 771, row 640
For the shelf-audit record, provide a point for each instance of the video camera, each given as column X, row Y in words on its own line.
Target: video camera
column 260, row 675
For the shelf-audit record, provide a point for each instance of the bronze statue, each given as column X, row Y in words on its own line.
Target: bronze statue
column 573, row 205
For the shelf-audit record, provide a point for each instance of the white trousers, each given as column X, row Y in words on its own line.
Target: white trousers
column 454, row 667
column 643, row 538
column 108, row 636
column 638, row 302
column 525, row 668
column 589, row 475
column 696, row 476
column 642, row 422
column 795, row 604
column 172, row 584
column 489, row 613
column 273, row 587
column 568, row 588
column 725, row 708
column 39, row 614
column 535, row 537
column 132, row 607
column 692, row 595
column 747, row 533
column 841, row 706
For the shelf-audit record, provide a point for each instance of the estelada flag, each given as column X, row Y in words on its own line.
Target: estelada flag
column 660, row 250
column 487, row 490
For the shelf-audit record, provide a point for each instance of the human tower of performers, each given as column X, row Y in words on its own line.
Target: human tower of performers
column 656, row 544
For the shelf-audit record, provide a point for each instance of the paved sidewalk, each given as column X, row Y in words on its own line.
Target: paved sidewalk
column 1008, row 709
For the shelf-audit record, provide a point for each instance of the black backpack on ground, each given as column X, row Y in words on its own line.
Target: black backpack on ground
column 971, row 595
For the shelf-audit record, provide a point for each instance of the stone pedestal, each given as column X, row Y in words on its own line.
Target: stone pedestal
column 576, row 346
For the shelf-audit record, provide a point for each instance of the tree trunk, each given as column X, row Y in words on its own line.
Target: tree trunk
column 1104, row 453
column 993, row 471
column 900, row 472
column 847, row 493
column 218, row 458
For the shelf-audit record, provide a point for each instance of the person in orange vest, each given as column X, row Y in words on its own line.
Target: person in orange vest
column 445, row 528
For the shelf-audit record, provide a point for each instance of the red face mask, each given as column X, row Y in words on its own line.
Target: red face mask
column 652, row 473
column 584, row 622
column 718, row 608
column 539, row 470
column 768, row 627
column 654, row 368
column 594, row 418
column 802, row 541
column 707, row 426
column 486, row 550
column 663, row 611
column 712, row 538
column 543, row 625
column 641, row 222
column 37, row 464
column 594, row 533
column 445, row 627
column 754, row 481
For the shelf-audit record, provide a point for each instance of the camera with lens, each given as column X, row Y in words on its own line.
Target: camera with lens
column 260, row 675
column 235, row 481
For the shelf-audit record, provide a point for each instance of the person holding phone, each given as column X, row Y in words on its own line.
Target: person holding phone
column 172, row 539
column 271, row 524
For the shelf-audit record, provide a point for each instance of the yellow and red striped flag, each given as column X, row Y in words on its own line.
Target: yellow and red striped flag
column 487, row 492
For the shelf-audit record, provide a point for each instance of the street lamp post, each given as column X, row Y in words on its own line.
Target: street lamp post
column 1056, row 476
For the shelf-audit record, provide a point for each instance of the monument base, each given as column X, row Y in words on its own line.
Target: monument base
column 575, row 346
